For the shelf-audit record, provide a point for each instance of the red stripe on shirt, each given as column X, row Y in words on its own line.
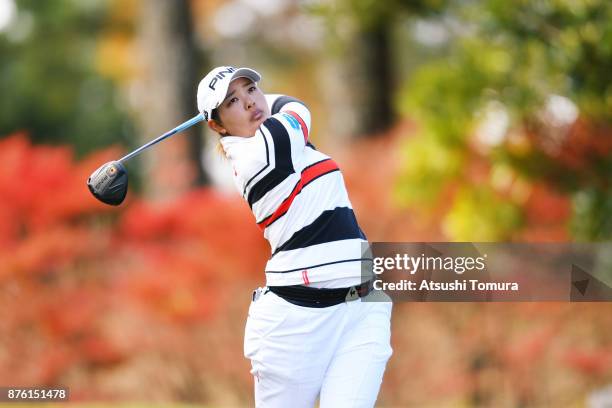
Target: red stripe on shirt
column 308, row 175
column 305, row 277
column 302, row 124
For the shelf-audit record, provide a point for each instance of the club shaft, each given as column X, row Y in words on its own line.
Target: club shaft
column 185, row 125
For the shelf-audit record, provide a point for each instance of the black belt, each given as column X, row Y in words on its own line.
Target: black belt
column 321, row 297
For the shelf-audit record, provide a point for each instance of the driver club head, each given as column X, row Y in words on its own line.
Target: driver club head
column 109, row 183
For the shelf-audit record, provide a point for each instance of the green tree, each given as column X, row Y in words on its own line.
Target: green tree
column 49, row 84
column 525, row 94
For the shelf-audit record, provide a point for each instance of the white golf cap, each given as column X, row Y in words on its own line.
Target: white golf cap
column 212, row 90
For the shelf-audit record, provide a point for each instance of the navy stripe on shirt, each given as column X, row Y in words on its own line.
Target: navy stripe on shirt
column 263, row 168
column 283, row 163
column 332, row 225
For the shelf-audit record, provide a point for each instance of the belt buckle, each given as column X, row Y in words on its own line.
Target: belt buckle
column 352, row 294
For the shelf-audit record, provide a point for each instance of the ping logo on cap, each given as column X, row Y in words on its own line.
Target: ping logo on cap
column 220, row 75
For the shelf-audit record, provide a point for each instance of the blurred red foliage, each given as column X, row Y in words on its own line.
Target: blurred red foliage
column 73, row 272
column 148, row 300
column 597, row 362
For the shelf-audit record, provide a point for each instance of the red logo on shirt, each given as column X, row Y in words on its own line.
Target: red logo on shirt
column 305, row 277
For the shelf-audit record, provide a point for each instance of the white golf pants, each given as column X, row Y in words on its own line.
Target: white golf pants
column 297, row 353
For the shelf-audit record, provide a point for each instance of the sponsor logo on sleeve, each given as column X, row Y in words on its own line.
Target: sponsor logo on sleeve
column 292, row 121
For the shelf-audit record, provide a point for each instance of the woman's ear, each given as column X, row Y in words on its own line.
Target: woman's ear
column 214, row 125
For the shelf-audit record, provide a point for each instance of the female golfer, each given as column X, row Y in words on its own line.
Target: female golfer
column 316, row 329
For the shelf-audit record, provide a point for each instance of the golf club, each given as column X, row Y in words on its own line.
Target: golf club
column 110, row 181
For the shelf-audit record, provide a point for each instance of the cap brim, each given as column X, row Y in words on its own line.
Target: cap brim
column 246, row 73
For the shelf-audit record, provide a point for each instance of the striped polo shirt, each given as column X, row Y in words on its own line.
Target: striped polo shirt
column 298, row 197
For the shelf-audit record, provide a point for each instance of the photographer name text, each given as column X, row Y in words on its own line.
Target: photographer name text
column 456, row 285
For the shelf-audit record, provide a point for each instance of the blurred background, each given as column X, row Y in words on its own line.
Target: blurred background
column 473, row 120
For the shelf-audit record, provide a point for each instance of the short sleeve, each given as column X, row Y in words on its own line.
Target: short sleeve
column 292, row 110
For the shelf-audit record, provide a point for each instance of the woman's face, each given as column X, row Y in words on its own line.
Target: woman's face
column 243, row 109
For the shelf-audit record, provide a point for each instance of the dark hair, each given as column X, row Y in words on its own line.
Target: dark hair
column 214, row 115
